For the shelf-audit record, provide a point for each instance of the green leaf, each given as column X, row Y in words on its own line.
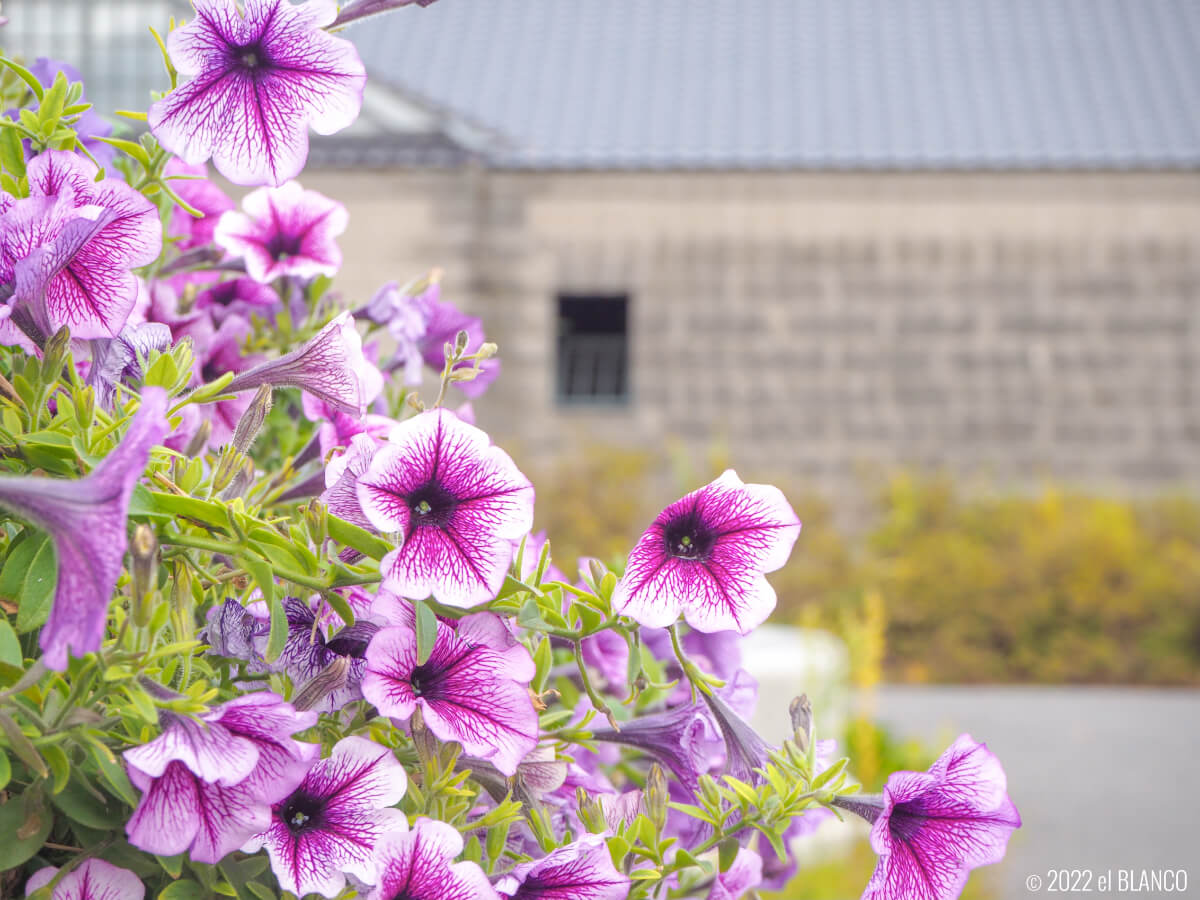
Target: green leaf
column 5, row 769
column 137, row 151
column 510, row 587
column 12, row 155
column 78, row 804
column 29, row 578
column 172, row 865
column 113, row 775
column 24, row 829
column 183, row 890
column 543, row 658
column 350, row 535
column 426, row 631
column 189, row 507
column 60, row 766
column 53, row 102
column 278, row 635
column 26, row 76
column 10, row 647
column 22, row 746
column 261, row 891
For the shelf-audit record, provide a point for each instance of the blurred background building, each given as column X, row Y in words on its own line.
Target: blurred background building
column 820, row 233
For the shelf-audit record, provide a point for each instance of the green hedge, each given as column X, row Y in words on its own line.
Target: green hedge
column 1056, row 586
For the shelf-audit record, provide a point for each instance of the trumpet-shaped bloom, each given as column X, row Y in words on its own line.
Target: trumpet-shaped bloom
column 418, row 864
column 582, row 870
column 680, row 738
column 705, row 556
column 85, row 519
column 331, row 367
column 931, row 828
column 457, row 502
column 93, row 879
column 468, row 690
column 745, row 750
column 209, row 785
column 68, row 248
column 329, row 825
column 258, row 81
column 284, row 231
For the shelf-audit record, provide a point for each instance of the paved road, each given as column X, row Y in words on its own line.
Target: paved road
column 1104, row 778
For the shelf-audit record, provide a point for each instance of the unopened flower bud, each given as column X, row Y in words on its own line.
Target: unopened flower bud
column 241, row 481
column 487, row 350
column 55, row 353
column 591, row 813
column 324, row 683
column 802, row 721
column 199, row 440
column 460, row 342
column 252, row 419
column 144, row 550
column 656, row 796
column 228, row 466
column 415, row 402
column 597, row 570
column 316, row 519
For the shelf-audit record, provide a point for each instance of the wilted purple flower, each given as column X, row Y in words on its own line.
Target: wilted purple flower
column 93, row 879
column 931, row 828
column 69, row 246
column 208, row 786
column 745, row 750
column 308, row 652
column 582, row 870
column 119, row 360
column 457, row 502
column 331, row 367
column 418, row 864
column 259, row 80
column 202, row 195
column 236, row 632
column 682, row 739
column 284, row 231
column 329, row 825
column 705, row 555
column 744, row 874
column 85, row 519
column 467, row 690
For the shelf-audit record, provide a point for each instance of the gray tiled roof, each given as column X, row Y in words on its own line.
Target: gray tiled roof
column 925, row 84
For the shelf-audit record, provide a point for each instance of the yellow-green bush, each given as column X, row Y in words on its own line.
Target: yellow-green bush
column 1056, row 586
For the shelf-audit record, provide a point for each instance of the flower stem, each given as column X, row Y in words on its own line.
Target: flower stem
column 691, row 671
column 593, row 694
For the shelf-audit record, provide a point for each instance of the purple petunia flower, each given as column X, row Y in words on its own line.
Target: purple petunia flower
column 259, row 80
column 682, row 739
column 419, row 864
column 329, row 825
column 308, row 652
column 338, row 429
column 582, row 870
column 745, row 750
column 69, row 246
column 457, row 502
column 85, row 519
column 284, row 231
column 203, row 196
column 341, row 480
column 361, row 9
column 119, row 360
column 473, row 688
column 931, row 828
column 744, row 874
column 238, row 297
column 705, row 555
column 208, row 786
column 331, row 367
column 93, row 879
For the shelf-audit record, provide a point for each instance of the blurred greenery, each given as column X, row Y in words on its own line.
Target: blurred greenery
column 1053, row 586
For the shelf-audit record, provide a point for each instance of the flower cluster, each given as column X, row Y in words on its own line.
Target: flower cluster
column 275, row 618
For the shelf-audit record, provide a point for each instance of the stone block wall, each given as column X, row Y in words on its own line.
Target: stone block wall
column 1013, row 326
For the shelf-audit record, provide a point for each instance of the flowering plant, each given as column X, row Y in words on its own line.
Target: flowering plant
column 345, row 646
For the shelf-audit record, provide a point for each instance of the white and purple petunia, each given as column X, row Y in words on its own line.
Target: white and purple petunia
column 69, row 247
column 209, row 785
column 931, row 828
column 331, row 366
column 473, row 688
column 457, row 502
column 418, row 864
column 260, row 76
column 328, row 826
column 192, row 184
column 744, row 874
column 706, row 555
column 308, row 651
column 582, row 870
column 284, row 231
column 341, row 480
column 93, row 879
column 85, row 519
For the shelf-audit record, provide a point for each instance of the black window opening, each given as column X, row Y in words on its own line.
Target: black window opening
column 593, row 349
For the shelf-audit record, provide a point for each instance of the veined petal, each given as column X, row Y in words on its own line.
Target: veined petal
column 417, row 862
column 209, row 750
column 93, row 879
column 165, row 820
column 582, row 870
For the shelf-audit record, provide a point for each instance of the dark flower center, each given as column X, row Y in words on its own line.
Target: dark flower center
column 302, row 812
column 422, row 680
column 251, row 57
column 688, row 538
column 432, row 504
column 904, row 824
column 281, row 246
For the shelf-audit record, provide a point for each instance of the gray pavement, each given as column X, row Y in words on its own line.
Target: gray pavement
column 1105, row 778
